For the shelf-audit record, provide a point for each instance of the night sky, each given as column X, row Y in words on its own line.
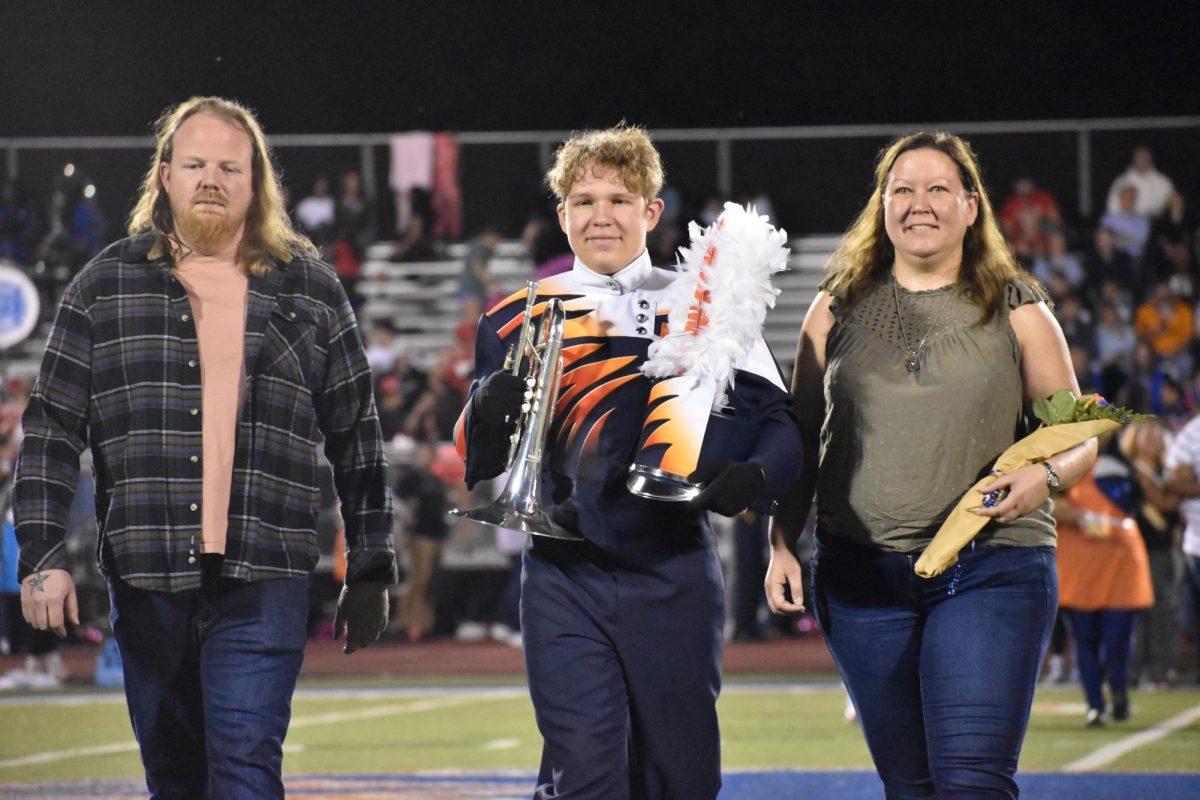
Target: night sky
column 72, row 68
column 87, row 67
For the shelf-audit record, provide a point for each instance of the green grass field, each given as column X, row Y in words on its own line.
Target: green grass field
column 409, row 729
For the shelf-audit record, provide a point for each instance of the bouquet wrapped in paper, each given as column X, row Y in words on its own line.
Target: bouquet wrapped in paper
column 1068, row 421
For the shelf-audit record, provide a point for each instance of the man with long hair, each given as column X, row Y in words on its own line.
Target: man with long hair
column 202, row 359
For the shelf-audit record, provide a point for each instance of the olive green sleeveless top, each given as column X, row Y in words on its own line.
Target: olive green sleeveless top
column 899, row 447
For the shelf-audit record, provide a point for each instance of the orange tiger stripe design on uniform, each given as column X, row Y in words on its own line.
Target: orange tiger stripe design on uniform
column 668, row 424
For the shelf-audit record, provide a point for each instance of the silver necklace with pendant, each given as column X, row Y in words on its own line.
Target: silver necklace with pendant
column 912, row 362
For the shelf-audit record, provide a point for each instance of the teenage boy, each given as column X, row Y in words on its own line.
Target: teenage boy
column 622, row 631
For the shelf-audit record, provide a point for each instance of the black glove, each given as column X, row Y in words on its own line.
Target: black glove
column 498, row 399
column 729, row 486
column 362, row 614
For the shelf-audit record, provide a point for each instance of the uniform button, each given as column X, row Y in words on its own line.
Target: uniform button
column 643, row 303
column 191, row 362
column 641, row 318
column 195, row 459
column 194, row 506
column 641, row 331
column 185, row 318
column 291, row 315
column 612, row 284
column 195, row 411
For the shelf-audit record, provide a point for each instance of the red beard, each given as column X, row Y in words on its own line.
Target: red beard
column 205, row 230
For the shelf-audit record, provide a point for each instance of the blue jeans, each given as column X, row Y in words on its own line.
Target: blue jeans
column 209, row 676
column 941, row 671
column 1103, row 643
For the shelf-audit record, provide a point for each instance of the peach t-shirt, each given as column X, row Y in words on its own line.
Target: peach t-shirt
column 217, row 291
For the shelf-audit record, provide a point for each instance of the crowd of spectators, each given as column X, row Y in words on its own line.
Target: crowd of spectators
column 1125, row 292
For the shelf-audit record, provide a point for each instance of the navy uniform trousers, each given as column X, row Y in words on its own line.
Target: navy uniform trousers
column 624, row 664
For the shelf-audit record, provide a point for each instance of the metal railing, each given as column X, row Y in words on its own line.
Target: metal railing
column 725, row 177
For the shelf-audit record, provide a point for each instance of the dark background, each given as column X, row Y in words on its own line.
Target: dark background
column 109, row 68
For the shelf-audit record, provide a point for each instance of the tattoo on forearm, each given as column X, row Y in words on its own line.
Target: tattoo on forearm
column 35, row 585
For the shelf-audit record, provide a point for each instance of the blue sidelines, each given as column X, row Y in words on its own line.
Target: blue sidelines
column 738, row 785
column 1033, row 785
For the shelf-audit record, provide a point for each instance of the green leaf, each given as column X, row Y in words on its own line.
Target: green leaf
column 1062, row 407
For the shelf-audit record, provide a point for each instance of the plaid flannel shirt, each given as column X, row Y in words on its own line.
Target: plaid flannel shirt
column 121, row 374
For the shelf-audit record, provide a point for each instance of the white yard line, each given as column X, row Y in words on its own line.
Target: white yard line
column 331, row 718
column 1111, row 752
column 398, row 708
column 63, row 755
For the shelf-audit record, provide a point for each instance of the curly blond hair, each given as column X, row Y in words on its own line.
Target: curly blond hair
column 269, row 233
column 625, row 148
column 864, row 257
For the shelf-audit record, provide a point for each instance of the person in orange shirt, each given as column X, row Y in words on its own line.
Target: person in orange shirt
column 1167, row 322
column 1103, row 579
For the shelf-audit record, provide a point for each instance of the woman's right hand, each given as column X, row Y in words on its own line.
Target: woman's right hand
column 784, row 579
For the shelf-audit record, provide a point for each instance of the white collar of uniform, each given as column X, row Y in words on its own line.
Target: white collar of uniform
column 626, row 279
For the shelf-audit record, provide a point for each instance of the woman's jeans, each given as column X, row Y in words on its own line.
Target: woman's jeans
column 209, row 675
column 942, row 671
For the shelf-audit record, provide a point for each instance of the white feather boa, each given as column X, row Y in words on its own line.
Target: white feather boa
column 720, row 299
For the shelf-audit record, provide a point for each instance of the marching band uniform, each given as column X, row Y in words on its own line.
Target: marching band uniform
column 623, row 631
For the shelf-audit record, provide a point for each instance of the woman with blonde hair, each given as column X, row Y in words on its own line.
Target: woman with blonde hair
column 913, row 369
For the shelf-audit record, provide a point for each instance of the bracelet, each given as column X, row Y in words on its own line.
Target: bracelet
column 1052, row 479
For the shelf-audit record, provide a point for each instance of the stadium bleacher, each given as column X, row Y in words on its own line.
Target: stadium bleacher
column 419, row 298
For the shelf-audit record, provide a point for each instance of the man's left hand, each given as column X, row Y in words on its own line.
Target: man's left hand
column 362, row 614
column 729, row 486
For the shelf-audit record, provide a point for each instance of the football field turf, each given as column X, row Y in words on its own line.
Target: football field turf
column 437, row 741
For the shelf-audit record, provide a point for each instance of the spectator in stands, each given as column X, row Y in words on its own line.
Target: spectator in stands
column 1129, row 228
column 1172, row 404
column 397, row 392
column 315, row 215
column 1169, row 252
column 1182, row 468
column 1058, row 261
column 912, row 339
column 382, row 347
column 212, row 279
column 1152, row 187
column 416, row 243
column 1142, row 445
column 1103, row 579
column 390, row 402
column 18, row 224
column 1083, row 365
column 475, row 285
column 1167, row 322
column 1027, row 217
column 434, row 414
column 75, row 229
column 546, row 244
column 1115, row 339
column 424, row 497
column 1105, row 264
column 1145, row 385
column 749, row 564
column 352, row 232
column 1076, row 322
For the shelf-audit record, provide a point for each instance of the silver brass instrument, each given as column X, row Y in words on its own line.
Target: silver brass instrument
column 517, row 507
